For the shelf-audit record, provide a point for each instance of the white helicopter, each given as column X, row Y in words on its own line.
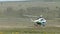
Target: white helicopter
column 39, row 22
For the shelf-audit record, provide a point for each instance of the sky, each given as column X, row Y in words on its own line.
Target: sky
column 13, row 0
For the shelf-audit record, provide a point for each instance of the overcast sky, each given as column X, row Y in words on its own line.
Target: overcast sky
column 13, row 0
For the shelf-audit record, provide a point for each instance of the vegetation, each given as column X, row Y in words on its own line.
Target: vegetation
column 48, row 30
column 18, row 9
column 49, row 10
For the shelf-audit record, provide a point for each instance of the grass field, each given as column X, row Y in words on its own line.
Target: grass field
column 11, row 24
column 48, row 30
column 20, row 26
column 25, row 26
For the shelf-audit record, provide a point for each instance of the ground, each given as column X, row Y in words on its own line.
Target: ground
column 21, row 26
column 27, row 30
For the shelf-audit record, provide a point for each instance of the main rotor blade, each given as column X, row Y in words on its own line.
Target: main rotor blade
column 30, row 16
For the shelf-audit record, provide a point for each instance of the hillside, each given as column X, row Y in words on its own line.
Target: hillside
column 19, row 14
column 18, row 9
